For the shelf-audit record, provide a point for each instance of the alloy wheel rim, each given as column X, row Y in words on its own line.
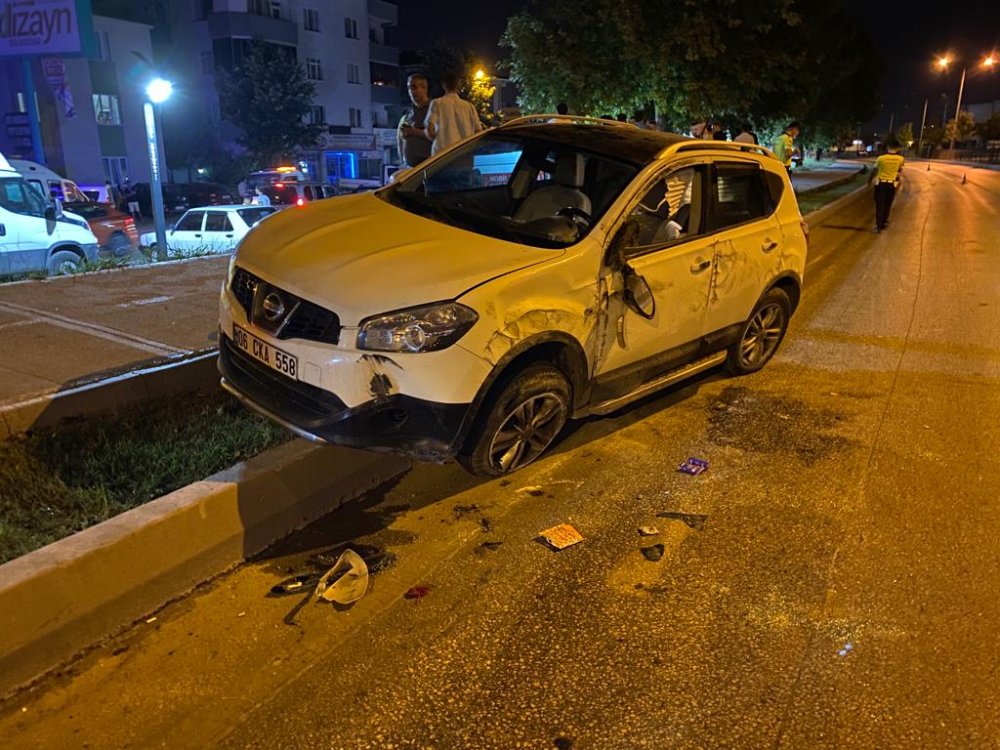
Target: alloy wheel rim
column 762, row 335
column 527, row 431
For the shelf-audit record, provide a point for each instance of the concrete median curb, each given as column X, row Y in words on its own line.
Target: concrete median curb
column 814, row 218
column 59, row 600
column 189, row 374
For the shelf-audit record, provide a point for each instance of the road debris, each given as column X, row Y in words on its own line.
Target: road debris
column 533, row 490
column 488, row 547
column 653, row 553
column 296, row 584
column 648, row 531
column 848, row 647
column 345, row 582
column 150, row 619
column 693, row 466
column 693, row 520
column 417, row 592
column 561, row 536
column 375, row 558
column 463, row 510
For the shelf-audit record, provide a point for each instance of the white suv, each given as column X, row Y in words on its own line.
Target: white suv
column 551, row 268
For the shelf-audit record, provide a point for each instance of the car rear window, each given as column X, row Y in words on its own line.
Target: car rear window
column 217, row 221
column 281, row 195
column 252, row 215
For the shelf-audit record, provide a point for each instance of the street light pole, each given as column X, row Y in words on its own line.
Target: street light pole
column 958, row 110
column 923, row 120
column 158, row 91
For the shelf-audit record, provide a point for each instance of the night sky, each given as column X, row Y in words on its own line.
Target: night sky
column 909, row 36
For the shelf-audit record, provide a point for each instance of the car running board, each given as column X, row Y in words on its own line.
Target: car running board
column 674, row 376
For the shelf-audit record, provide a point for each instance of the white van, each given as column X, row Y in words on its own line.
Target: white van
column 35, row 234
column 46, row 181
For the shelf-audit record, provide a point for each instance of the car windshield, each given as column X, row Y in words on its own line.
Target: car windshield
column 17, row 197
column 252, row 215
column 516, row 186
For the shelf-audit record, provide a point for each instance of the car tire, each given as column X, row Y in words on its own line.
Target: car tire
column 761, row 334
column 118, row 245
column 519, row 424
column 62, row 262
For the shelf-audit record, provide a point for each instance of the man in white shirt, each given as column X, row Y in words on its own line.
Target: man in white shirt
column 450, row 118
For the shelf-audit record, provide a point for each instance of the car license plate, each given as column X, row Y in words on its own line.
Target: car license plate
column 263, row 352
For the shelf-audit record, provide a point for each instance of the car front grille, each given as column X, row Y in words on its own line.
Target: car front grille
column 303, row 319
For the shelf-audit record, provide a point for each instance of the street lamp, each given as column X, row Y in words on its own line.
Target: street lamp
column 943, row 62
column 157, row 92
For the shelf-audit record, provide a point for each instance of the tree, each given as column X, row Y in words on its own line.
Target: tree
column 905, row 135
column 267, row 97
column 989, row 130
column 481, row 91
column 960, row 129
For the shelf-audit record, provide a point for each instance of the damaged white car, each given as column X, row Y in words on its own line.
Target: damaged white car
column 549, row 269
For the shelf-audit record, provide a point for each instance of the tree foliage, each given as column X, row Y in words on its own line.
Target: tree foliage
column 961, row 128
column 989, row 130
column 267, row 97
column 766, row 62
column 904, row 134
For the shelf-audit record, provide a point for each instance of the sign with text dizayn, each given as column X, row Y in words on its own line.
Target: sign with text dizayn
column 32, row 28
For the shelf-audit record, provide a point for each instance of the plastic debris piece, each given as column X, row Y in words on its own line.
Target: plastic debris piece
column 345, row 582
column 295, row 585
column 417, row 592
column 848, row 647
column 648, row 531
column 533, row 490
column 561, row 536
column 150, row 619
column 693, row 520
column 376, row 558
column 654, row 552
column 693, row 466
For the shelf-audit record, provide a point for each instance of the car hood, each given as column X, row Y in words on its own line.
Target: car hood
column 358, row 256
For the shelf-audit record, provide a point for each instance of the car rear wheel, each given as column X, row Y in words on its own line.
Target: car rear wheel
column 521, row 422
column 761, row 334
column 62, row 262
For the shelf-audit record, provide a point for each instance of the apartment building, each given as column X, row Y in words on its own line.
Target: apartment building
column 90, row 110
column 341, row 44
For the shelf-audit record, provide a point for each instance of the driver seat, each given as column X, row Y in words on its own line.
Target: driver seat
column 547, row 201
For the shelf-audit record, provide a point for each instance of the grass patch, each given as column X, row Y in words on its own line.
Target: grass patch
column 816, row 199
column 57, row 482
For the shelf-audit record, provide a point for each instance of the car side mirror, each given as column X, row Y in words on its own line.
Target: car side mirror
column 638, row 295
column 624, row 238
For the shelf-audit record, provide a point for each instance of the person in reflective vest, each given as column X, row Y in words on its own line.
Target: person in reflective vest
column 886, row 177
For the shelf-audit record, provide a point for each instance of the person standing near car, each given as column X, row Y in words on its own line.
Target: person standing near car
column 450, row 118
column 132, row 200
column 784, row 147
column 886, row 177
column 411, row 135
column 262, row 198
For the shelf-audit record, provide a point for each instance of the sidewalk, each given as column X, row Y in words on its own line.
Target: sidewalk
column 64, row 332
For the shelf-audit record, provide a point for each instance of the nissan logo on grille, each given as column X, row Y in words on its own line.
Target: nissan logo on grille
column 273, row 307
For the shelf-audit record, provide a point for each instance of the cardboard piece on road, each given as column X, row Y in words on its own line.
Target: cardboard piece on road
column 693, row 466
column 561, row 536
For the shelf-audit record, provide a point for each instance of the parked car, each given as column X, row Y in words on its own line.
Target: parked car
column 179, row 197
column 298, row 193
column 35, row 233
column 115, row 230
column 218, row 229
column 451, row 315
column 48, row 182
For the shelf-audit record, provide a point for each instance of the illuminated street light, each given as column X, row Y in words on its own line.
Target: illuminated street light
column 157, row 91
column 943, row 62
column 480, row 74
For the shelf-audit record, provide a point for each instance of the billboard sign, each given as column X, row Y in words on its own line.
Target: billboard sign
column 31, row 28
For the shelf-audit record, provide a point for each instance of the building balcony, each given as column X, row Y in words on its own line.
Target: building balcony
column 248, row 25
column 383, row 53
column 388, row 13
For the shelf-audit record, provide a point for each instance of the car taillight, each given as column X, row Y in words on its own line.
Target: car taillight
column 300, row 202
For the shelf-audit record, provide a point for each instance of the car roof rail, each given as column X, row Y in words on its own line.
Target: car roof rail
column 699, row 144
column 557, row 118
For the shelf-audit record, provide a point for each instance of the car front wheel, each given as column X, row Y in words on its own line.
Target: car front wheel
column 62, row 262
column 522, row 421
column 761, row 334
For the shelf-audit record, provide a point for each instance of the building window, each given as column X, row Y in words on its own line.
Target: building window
column 201, row 9
column 314, row 69
column 355, row 115
column 317, row 115
column 106, row 109
column 207, row 62
column 115, row 169
column 375, row 118
column 102, row 45
column 351, row 28
column 310, row 19
column 267, row 8
column 353, row 73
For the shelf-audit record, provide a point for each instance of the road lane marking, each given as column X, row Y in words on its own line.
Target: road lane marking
column 147, row 301
column 98, row 331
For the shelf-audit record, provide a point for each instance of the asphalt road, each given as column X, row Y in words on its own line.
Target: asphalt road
column 830, row 582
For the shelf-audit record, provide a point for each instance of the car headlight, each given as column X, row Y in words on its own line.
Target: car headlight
column 419, row 329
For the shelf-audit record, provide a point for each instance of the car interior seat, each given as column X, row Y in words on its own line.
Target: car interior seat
column 548, row 200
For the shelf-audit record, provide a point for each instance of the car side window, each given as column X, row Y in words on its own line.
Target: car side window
column 739, row 194
column 190, row 222
column 307, row 192
column 670, row 211
column 218, row 221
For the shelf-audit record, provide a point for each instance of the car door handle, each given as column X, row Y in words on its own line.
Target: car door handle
column 229, row 236
column 700, row 265
column 768, row 246
column 197, row 234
